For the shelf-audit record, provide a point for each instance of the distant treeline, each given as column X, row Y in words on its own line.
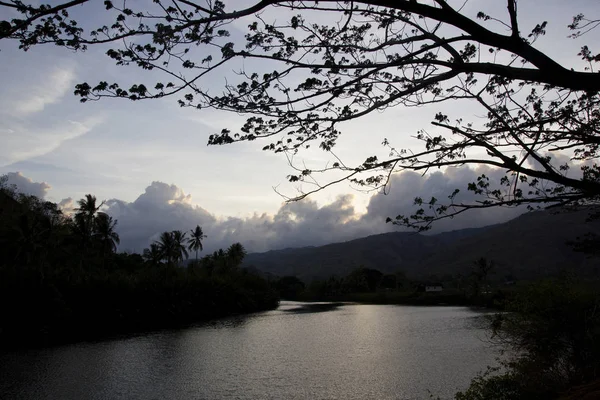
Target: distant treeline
column 368, row 285
column 61, row 278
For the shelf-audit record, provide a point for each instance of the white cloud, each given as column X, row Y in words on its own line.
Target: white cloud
column 67, row 205
column 21, row 142
column 42, row 91
column 164, row 207
column 405, row 187
column 26, row 185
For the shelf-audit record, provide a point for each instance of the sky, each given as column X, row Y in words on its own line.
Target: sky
column 150, row 162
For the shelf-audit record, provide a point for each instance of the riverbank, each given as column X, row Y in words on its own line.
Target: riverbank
column 103, row 308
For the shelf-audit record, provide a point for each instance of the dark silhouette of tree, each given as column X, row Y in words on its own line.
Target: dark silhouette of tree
column 86, row 212
column 153, row 254
column 30, row 237
column 54, row 289
column 167, row 247
column 552, row 327
column 104, row 233
column 289, row 287
column 88, row 207
column 479, row 276
column 389, row 281
column 362, row 280
column 314, row 77
column 235, row 254
column 179, row 240
column 172, row 247
column 195, row 240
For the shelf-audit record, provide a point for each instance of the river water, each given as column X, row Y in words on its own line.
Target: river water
column 294, row 352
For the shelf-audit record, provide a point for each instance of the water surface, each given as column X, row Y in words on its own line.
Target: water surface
column 294, row 352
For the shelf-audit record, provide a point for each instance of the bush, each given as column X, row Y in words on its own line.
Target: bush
column 552, row 331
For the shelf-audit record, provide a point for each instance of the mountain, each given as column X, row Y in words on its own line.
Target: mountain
column 531, row 245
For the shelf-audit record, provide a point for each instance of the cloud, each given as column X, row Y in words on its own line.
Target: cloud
column 405, row 187
column 26, row 185
column 160, row 208
column 296, row 224
column 67, row 206
column 164, row 207
column 21, row 142
column 39, row 94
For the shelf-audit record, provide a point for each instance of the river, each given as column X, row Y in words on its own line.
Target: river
column 295, row 352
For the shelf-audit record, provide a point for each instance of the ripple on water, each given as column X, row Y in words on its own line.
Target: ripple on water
column 299, row 351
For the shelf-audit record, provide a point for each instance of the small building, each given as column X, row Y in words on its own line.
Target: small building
column 434, row 287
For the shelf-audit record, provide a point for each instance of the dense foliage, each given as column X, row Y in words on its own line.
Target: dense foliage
column 552, row 332
column 61, row 278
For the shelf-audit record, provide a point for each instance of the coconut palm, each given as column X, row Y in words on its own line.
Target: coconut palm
column 87, row 206
column 166, row 245
column 84, row 217
column 236, row 254
column 179, row 243
column 153, row 254
column 104, row 232
column 172, row 246
column 195, row 241
column 104, row 235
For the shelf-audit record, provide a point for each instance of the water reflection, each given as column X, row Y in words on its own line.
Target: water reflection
column 310, row 307
column 300, row 351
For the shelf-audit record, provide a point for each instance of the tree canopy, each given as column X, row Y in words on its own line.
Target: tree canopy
column 303, row 78
column 61, row 278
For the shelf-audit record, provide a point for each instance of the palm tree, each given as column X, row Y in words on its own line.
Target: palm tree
column 88, row 206
column 236, row 254
column 195, row 241
column 84, row 219
column 104, row 232
column 153, row 254
column 87, row 210
column 179, row 243
column 166, row 246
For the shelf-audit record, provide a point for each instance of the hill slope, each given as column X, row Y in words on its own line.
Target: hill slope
column 531, row 245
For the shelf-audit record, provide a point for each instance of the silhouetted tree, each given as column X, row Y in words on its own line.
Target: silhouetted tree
column 30, row 237
column 551, row 330
column 479, row 276
column 167, row 247
column 180, row 248
column 289, row 287
column 105, row 234
column 53, row 288
column 86, row 213
column 389, row 281
column 195, row 240
column 235, row 254
column 362, row 280
column 153, row 254
column 313, row 77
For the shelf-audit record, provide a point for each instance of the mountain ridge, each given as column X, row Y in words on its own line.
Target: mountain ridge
column 527, row 246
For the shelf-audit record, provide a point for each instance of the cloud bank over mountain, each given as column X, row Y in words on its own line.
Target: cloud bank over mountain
column 164, row 207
